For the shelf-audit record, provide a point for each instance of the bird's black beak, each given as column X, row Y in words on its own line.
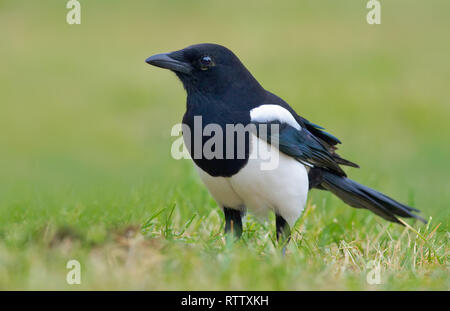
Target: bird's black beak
column 165, row 61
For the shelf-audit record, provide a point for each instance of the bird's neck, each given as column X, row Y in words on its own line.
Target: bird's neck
column 243, row 95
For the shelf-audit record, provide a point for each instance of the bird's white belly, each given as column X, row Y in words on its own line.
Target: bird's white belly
column 282, row 189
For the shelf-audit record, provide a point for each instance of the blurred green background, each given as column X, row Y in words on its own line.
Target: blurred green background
column 85, row 123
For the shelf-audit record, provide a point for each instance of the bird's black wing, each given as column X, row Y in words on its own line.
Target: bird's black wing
column 318, row 131
column 299, row 144
column 327, row 140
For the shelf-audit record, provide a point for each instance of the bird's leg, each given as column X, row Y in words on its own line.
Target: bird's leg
column 283, row 232
column 233, row 221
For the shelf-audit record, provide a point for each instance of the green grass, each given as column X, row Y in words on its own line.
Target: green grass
column 85, row 165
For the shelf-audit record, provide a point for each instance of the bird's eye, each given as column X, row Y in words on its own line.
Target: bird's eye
column 206, row 62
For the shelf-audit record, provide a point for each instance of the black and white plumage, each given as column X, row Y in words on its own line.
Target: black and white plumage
column 222, row 91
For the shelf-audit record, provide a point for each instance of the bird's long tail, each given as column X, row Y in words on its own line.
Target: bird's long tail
column 360, row 196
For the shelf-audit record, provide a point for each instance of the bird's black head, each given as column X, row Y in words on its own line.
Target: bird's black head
column 205, row 68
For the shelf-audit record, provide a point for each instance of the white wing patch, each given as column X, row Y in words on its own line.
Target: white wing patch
column 268, row 113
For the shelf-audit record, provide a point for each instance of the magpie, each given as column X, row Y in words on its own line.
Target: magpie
column 221, row 91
